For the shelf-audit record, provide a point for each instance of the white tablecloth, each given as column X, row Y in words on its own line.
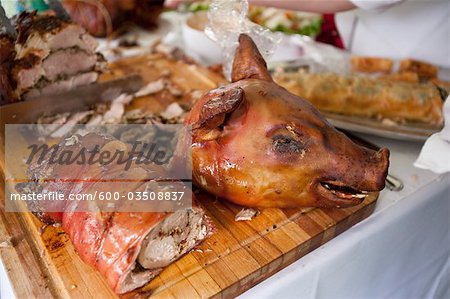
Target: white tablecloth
column 401, row 251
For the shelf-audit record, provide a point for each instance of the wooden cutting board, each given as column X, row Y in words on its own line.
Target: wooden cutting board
column 41, row 262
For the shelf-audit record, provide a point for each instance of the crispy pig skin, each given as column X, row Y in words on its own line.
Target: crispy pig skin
column 60, row 177
column 113, row 242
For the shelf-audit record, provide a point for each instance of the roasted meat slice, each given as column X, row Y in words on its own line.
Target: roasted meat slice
column 68, row 61
column 27, row 71
column 49, row 33
column 59, row 64
column 48, row 87
column 49, row 55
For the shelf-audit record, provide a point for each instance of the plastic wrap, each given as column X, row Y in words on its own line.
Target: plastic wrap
column 227, row 20
column 298, row 50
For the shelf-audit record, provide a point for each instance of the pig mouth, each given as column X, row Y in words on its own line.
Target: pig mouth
column 338, row 191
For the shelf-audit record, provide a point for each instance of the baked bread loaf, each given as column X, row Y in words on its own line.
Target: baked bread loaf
column 423, row 69
column 371, row 64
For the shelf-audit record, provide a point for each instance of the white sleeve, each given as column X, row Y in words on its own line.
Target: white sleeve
column 375, row 5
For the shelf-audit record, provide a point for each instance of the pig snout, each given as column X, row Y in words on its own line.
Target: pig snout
column 376, row 170
column 355, row 166
column 367, row 170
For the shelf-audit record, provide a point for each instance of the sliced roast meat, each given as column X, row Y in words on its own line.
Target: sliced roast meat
column 29, row 70
column 49, row 33
column 68, row 62
column 46, row 176
column 45, row 54
column 165, row 244
column 172, row 238
column 63, row 85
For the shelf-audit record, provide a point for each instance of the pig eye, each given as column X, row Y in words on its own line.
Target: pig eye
column 286, row 144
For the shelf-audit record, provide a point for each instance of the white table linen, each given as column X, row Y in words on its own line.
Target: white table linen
column 401, row 251
column 435, row 154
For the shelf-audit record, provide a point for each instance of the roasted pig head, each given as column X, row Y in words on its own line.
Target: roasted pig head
column 257, row 145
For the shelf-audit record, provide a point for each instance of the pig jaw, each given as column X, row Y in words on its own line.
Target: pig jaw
column 351, row 188
column 258, row 184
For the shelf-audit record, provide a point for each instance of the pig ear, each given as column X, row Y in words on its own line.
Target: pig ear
column 248, row 62
column 217, row 105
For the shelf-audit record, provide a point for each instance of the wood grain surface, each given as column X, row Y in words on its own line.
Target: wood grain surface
column 42, row 263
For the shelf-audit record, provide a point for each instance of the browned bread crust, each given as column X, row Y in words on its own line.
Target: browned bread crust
column 371, row 64
column 423, row 69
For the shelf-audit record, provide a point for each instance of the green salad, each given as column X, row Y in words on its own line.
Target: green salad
column 286, row 21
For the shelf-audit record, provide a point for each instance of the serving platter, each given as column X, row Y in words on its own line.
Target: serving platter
column 41, row 261
column 386, row 129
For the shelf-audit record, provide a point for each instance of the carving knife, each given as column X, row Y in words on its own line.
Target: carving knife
column 28, row 111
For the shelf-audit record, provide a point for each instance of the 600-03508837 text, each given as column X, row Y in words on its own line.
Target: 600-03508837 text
column 102, row 196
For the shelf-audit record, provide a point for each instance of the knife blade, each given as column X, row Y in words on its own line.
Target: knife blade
column 29, row 111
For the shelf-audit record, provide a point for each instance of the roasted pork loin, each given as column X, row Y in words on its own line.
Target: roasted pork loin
column 128, row 248
column 48, row 56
